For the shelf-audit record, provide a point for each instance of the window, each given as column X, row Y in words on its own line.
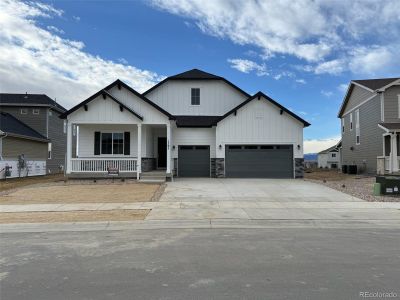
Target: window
column 195, row 96
column 351, row 121
column 35, row 111
column 357, row 127
column 333, row 154
column 398, row 105
column 50, row 112
column 49, row 150
column 112, row 143
column 24, row 111
column 343, row 125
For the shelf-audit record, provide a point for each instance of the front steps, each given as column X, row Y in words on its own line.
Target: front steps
column 153, row 177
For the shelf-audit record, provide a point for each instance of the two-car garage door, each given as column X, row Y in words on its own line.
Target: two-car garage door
column 241, row 161
column 259, row 161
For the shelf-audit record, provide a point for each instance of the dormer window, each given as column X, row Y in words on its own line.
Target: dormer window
column 195, row 96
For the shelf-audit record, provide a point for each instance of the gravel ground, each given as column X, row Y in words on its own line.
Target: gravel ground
column 357, row 186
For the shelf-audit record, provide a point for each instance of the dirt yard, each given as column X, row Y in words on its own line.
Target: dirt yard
column 74, row 216
column 13, row 183
column 76, row 192
column 356, row 185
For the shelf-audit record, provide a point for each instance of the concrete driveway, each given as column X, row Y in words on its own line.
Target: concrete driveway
column 264, row 199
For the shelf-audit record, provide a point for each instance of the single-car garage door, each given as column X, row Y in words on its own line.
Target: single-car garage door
column 194, row 161
column 259, row 161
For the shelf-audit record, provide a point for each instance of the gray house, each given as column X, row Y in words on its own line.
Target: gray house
column 370, row 121
column 15, row 136
column 40, row 113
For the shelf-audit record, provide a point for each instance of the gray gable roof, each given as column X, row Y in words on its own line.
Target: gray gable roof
column 371, row 84
column 14, row 127
column 196, row 74
column 375, row 84
column 7, row 99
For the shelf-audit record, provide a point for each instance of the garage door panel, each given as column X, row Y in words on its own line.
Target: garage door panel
column 194, row 161
column 261, row 161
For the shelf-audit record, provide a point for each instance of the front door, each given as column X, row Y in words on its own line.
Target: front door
column 162, row 152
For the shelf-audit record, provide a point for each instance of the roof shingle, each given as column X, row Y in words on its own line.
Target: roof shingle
column 29, row 99
column 12, row 126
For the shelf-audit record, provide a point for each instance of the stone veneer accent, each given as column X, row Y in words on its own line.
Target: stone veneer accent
column 175, row 167
column 212, row 166
column 219, row 167
column 148, row 164
column 299, row 167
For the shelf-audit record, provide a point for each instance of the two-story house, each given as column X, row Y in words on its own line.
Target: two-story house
column 40, row 113
column 194, row 124
column 330, row 158
column 370, row 125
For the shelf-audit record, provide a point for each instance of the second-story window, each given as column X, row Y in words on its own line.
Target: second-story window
column 333, row 154
column 35, row 111
column 351, row 121
column 24, row 111
column 195, row 100
column 357, row 127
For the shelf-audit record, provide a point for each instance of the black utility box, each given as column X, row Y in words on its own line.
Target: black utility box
column 352, row 169
column 390, row 184
column 344, row 169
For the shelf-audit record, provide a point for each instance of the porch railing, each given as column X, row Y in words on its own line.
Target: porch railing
column 102, row 164
column 383, row 164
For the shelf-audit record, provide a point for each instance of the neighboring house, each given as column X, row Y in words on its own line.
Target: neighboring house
column 330, row 158
column 21, row 147
column 193, row 124
column 370, row 121
column 42, row 114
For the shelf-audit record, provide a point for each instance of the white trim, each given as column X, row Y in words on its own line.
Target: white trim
column 69, row 147
column 383, row 107
column 395, row 82
column 169, row 148
column 139, row 151
column 364, row 87
column 23, row 111
column 35, row 111
column 357, row 106
column 398, row 105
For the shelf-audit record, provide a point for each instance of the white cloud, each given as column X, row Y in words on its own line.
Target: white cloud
column 37, row 60
column 301, row 81
column 334, row 67
column 55, row 29
column 284, row 74
column 343, row 87
column 317, row 145
column 247, row 66
column 76, row 18
column 332, row 36
column 326, row 93
column 370, row 60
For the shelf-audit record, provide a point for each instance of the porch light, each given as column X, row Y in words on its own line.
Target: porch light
column 298, row 147
column 173, row 147
column 220, row 147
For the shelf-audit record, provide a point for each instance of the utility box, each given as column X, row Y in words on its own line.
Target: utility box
column 352, row 169
column 390, row 185
column 344, row 169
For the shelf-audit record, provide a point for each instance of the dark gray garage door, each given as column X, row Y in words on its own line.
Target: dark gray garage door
column 194, row 161
column 259, row 161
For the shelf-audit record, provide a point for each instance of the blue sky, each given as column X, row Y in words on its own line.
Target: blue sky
column 301, row 53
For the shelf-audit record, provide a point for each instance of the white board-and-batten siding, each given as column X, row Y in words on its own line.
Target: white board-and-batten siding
column 107, row 111
column 260, row 122
column 216, row 97
column 86, row 139
column 193, row 136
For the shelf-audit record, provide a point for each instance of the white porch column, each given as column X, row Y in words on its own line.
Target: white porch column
column 168, row 148
column 139, row 151
column 393, row 153
column 69, row 147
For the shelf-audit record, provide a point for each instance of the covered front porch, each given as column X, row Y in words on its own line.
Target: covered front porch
column 97, row 150
column 389, row 162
